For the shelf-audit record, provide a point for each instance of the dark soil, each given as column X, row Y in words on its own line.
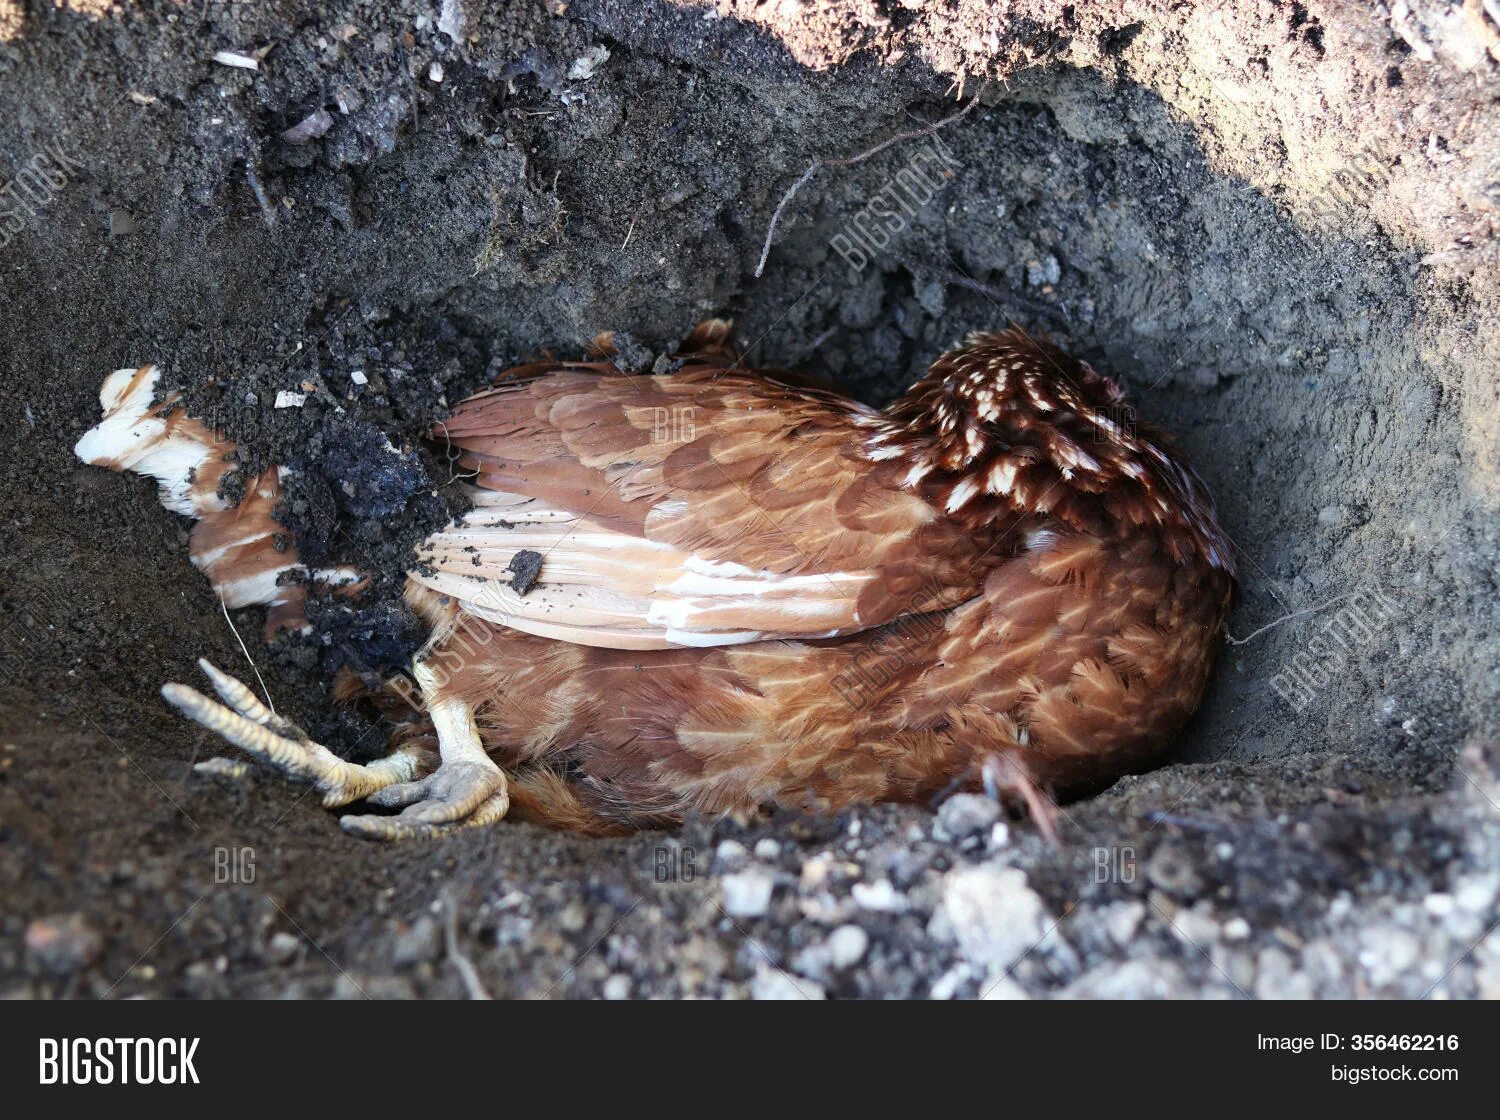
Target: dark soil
column 1274, row 224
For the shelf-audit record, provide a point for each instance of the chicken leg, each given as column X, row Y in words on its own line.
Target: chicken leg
column 467, row 788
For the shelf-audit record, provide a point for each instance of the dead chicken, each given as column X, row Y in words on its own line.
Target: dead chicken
column 750, row 593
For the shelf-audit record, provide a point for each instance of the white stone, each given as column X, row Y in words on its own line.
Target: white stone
column 946, row 986
column 1196, row 928
column 1002, row 987
column 773, row 983
column 1277, row 977
column 847, row 946
column 880, row 896
column 963, row 815
column 617, row 987
column 587, row 65
column 1474, row 893
column 1122, row 920
column 731, row 854
column 1150, row 978
column 995, row 916
column 747, row 894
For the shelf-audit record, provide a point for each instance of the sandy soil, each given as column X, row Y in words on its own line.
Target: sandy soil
column 1274, row 223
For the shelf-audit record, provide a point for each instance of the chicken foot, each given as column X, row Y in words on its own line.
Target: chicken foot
column 466, row 790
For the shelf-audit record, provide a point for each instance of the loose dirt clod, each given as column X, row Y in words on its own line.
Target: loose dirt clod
column 525, row 568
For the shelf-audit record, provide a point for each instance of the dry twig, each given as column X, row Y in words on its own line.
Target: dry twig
column 466, row 970
column 819, row 164
column 1230, row 639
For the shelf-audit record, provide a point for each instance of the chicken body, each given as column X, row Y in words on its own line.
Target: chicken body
column 752, row 593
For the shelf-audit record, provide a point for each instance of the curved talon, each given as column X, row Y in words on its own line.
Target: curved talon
column 1003, row 775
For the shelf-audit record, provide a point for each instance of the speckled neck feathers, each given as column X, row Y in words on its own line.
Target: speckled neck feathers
column 1008, row 423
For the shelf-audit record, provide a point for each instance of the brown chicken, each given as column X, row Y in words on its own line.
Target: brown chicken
column 750, row 593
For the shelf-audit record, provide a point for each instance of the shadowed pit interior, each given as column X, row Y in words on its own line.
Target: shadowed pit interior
column 1305, row 298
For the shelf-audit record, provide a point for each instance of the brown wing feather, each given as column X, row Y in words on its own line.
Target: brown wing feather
column 703, row 507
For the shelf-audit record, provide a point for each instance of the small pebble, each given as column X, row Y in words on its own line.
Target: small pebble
column 995, row 915
column 824, row 866
column 1196, row 928
column 1122, row 919
column 310, row 127
column 573, row 917
column 964, row 815
column 879, row 896
column 282, row 947
column 1474, row 893
column 63, row 943
column 946, row 986
column 587, row 65
column 847, row 946
column 773, row 983
column 421, row 941
column 1044, row 271
column 1002, row 987
column 747, row 894
column 730, row 854
column 617, row 987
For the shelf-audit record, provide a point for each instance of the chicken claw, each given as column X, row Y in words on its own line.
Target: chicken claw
column 250, row 725
column 467, row 790
column 458, row 795
column 1004, row 775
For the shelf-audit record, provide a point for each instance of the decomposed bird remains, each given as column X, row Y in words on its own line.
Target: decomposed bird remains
column 999, row 581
